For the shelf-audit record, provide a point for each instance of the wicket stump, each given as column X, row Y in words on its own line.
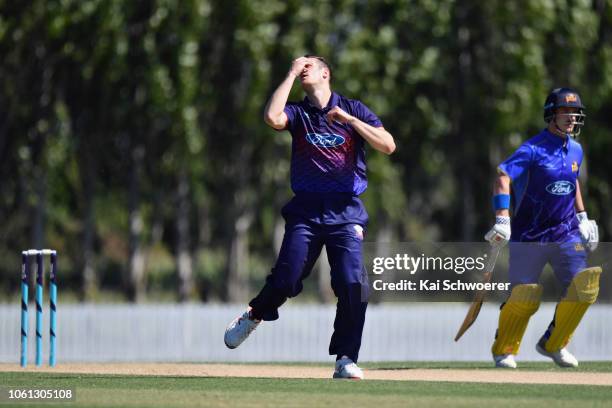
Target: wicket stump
column 40, row 270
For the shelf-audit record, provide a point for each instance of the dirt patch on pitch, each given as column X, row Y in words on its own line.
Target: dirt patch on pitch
column 300, row 371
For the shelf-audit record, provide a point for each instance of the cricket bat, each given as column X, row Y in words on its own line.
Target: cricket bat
column 474, row 309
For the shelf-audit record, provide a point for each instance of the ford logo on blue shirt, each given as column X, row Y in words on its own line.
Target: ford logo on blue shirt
column 324, row 139
column 561, row 187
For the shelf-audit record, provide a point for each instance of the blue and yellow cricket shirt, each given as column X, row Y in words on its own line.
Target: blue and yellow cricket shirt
column 544, row 171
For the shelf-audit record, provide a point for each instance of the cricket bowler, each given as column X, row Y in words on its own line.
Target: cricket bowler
column 549, row 225
column 328, row 173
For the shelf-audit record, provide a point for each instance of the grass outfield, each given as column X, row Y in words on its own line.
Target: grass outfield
column 152, row 391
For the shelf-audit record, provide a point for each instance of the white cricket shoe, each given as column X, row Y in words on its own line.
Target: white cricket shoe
column 504, row 360
column 562, row 357
column 239, row 329
column 346, row 368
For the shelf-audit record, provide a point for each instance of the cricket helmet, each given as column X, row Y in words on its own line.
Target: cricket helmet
column 565, row 97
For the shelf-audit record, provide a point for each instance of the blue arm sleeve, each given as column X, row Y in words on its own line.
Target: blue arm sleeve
column 518, row 164
column 291, row 112
column 364, row 114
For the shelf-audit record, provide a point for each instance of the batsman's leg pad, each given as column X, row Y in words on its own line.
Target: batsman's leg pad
column 581, row 294
column 523, row 302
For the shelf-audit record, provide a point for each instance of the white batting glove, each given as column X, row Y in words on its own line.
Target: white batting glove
column 499, row 235
column 588, row 231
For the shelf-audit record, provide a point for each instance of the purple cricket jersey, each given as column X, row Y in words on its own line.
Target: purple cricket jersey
column 327, row 158
column 544, row 171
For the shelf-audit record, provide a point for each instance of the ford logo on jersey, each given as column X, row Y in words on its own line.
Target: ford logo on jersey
column 561, row 187
column 324, row 139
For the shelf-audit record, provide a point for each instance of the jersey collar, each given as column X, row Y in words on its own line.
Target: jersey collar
column 556, row 140
column 333, row 101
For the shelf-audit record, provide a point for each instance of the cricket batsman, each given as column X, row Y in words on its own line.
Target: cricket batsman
column 328, row 173
column 549, row 225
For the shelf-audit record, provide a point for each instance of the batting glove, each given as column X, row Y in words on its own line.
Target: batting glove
column 499, row 235
column 588, row 231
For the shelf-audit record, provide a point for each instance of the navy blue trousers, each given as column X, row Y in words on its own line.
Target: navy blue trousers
column 302, row 245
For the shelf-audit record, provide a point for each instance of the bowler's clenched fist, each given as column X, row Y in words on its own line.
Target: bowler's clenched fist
column 338, row 115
